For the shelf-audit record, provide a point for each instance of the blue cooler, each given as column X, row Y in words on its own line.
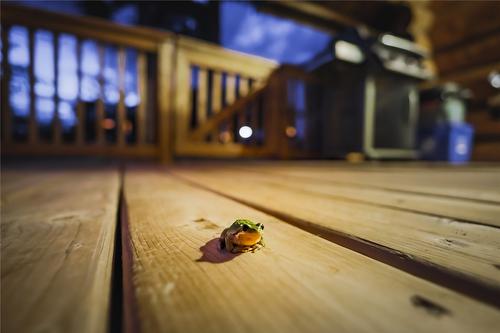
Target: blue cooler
column 447, row 142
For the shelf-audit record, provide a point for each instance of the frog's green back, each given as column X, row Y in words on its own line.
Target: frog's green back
column 248, row 223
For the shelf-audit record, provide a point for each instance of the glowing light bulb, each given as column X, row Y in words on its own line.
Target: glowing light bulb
column 291, row 131
column 245, row 132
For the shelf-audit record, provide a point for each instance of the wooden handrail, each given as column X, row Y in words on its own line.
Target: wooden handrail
column 142, row 38
column 220, row 58
column 211, row 124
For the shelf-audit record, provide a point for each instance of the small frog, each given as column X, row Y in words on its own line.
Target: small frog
column 242, row 236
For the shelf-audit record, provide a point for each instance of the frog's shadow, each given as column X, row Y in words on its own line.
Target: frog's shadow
column 211, row 252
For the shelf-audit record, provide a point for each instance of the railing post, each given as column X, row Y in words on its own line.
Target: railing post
column 166, row 57
column 275, row 117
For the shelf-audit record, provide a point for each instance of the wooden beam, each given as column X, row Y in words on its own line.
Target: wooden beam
column 477, row 52
column 41, row 149
column 464, row 76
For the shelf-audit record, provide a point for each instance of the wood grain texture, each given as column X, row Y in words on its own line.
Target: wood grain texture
column 447, row 182
column 299, row 282
column 58, row 231
column 442, row 206
column 463, row 249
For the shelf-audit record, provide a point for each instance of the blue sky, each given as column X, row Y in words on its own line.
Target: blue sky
column 244, row 29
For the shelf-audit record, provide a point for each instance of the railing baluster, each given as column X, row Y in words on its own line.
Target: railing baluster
column 230, row 89
column 6, row 111
column 121, row 102
column 140, row 115
column 32, row 124
column 230, row 98
column 216, row 92
column 243, row 91
column 100, row 102
column 254, row 118
column 57, row 132
column 202, row 96
column 80, row 112
column 244, row 87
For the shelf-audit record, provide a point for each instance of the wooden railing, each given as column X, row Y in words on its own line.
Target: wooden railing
column 210, row 80
column 101, row 128
column 194, row 97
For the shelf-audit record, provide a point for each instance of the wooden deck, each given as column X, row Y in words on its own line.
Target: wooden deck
column 349, row 248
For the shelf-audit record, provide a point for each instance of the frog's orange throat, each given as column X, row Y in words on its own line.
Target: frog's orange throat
column 244, row 238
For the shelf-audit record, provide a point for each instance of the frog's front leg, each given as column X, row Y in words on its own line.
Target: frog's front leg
column 257, row 247
column 238, row 249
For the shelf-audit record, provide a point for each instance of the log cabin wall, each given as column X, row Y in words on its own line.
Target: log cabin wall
column 466, row 42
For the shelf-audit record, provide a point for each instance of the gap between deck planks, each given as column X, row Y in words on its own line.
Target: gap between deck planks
column 459, row 208
column 470, row 183
column 299, row 282
column 58, row 229
column 468, row 254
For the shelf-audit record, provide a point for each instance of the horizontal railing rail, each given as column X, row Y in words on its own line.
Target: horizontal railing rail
column 142, row 38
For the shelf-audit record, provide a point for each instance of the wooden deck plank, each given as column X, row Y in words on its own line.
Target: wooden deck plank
column 462, row 249
column 298, row 283
column 449, row 207
column 450, row 182
column 58, row 232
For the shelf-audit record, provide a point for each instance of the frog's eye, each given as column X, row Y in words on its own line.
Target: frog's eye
column 245, row 227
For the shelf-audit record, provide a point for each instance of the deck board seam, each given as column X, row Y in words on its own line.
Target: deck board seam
column 378, row 187
column 410, row 264
column 388, row 206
